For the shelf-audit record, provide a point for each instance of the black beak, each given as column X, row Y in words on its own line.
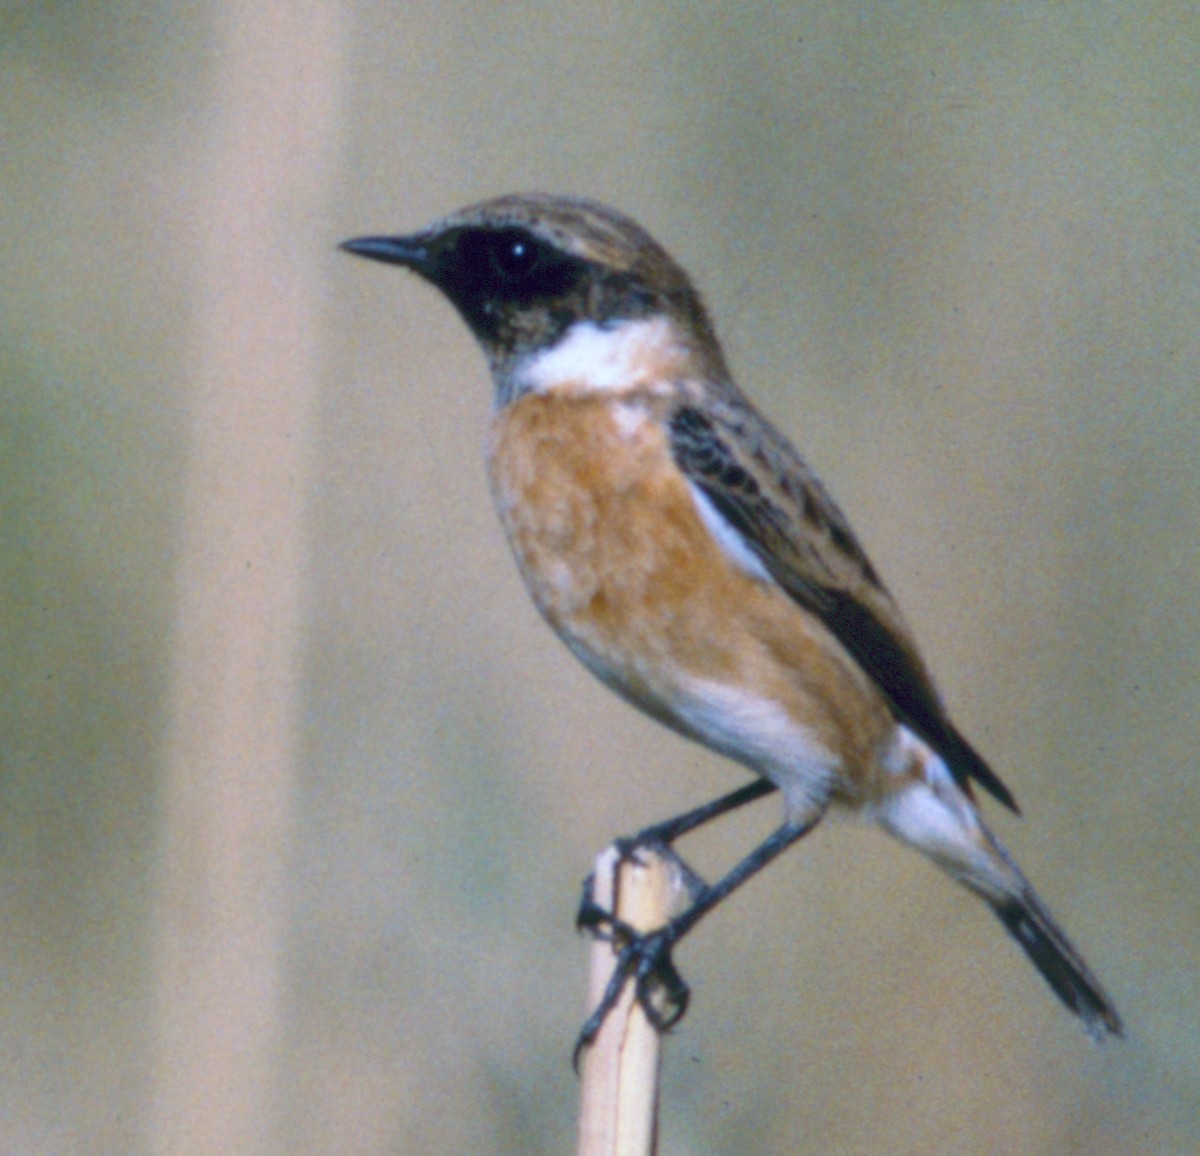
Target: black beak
column 407, row 251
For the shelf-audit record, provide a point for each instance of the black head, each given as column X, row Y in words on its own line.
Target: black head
column 492, row 275
column 522, row 269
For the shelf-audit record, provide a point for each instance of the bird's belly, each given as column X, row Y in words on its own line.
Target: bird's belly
column 617, row 558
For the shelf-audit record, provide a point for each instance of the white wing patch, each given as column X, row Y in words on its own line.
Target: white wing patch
column 734, row 546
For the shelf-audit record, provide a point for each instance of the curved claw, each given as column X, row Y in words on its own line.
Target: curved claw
column 590, row 915
column 661, row 992
column 598, row 921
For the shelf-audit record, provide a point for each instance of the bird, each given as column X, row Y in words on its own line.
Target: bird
column 690, row 558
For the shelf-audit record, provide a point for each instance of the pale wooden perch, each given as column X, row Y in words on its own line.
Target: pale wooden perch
column 619, row 1109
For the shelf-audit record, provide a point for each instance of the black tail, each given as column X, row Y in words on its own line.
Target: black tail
column 1053, row 955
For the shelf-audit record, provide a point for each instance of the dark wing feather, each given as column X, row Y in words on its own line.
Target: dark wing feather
column 809, row 549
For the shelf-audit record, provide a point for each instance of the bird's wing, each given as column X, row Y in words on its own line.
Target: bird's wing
column 768, row 495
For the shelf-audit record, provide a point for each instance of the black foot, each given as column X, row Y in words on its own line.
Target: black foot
column 598, row 921
column 645, row 957
column 591, row 917
column 659, row 989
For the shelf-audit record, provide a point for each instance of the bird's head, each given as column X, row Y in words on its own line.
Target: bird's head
column 527, row 272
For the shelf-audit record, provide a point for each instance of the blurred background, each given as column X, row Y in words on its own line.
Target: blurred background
column 295, row 788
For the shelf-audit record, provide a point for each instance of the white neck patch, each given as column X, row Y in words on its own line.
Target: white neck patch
column 615, row 359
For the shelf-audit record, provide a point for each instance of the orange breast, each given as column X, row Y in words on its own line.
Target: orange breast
column 614, row 552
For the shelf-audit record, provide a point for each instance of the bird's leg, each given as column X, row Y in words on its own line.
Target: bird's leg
column 660, row 837
column 666, row 833
column 645, row 957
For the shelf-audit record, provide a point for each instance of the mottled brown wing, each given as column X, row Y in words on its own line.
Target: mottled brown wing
column 807, row 546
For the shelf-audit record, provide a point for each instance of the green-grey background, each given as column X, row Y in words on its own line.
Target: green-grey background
column 952, row 248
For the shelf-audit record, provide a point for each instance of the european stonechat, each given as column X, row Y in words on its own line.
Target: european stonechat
column 688, row 556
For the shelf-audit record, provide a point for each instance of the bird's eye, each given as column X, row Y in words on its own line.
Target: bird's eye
column 514, row 257
column 505, row 264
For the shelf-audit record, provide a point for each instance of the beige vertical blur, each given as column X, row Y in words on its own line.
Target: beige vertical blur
column 240, row 592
